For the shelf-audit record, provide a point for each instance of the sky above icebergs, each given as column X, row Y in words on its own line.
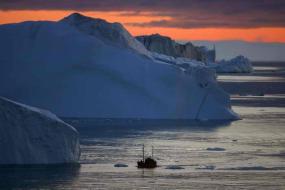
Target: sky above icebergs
column 252, row 20
column 183, row 20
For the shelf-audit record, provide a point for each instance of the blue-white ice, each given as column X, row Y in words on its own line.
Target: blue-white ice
column 84, row 67
column 29, row 136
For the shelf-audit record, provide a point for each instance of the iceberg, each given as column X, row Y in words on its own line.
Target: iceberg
column 120, row 165
column 167, row 46
column 215, row 149
column 29, row 135
column 86, row 67
column 110, row 33
column 174, row 167
column 206, row 167
column 239, row 64
column 163, row 46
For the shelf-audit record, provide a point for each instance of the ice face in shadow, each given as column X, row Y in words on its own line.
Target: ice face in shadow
column 30, row 135
column 84, row 67
column 167, row 46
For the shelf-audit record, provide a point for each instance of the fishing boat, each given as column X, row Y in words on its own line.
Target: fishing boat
column 148, row 162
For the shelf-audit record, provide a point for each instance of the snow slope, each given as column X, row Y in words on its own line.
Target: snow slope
column 111, row 33
column 30, row 135
column 84, row 67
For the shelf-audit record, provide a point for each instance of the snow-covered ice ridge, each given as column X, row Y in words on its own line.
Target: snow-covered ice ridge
column 29, row 135
column 239, row 64
column 110, row 33
column 85, row 67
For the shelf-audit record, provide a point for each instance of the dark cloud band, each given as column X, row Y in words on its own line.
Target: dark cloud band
column 182, row 13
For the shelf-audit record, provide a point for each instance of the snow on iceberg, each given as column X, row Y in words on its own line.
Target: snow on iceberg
column 113, row 33
column 239, row 64
column 29, row 135
column 181, row 62
column 85, row 67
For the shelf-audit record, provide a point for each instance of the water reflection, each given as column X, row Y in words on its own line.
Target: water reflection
column 244, row 78
column 113, row 128
column 37, row 177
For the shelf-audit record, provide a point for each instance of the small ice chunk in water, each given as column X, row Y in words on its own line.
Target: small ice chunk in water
column 120, row 165
column 174, row 167
column 216, row 149
column 206, row 167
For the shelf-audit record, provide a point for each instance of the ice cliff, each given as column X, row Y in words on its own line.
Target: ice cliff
column 29, row 135
column 85, row 67
column 165, row 45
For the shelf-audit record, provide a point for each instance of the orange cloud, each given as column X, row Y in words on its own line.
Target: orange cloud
column 273, row 34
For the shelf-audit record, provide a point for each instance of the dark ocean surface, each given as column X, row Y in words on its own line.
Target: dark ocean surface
column 244, row 154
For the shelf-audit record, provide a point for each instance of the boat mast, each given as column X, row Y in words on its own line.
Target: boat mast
column 143, row 152
column 151, row 151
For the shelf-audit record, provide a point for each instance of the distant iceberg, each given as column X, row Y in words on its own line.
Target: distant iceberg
column 120, row 165
column 29, row 135
column 174, row 167
column 239, row 64
column 167, row 46
column 216, row 149
column 206, row 167
column 85, row 67
column 188, row 54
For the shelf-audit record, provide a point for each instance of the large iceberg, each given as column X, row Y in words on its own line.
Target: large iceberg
column 85, row 67
column 29, row 135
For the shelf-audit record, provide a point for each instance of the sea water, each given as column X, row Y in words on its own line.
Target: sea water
column 244, row 154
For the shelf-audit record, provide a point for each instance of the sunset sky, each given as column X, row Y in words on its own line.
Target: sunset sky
column 251, row 20
column 183, row 20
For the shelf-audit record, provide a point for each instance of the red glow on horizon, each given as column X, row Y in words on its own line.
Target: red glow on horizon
column 210, row 34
